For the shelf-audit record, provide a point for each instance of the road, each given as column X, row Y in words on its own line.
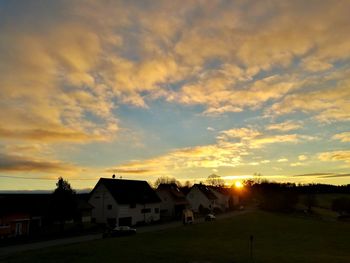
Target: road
column 4, row 251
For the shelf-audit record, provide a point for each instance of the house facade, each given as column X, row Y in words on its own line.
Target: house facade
column 173, row 201
column 29, row 214
column 119, row 202
column 211, row 198
column 14, row 224
column 21, row 214
column 226, row 198
column 201, row 197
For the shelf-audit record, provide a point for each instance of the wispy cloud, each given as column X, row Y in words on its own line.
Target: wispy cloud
column 230, row 150
column 69, row 68
column 15, row 163
column 285, row 126
column 335, row 156
column 344, row 137
column 324, row 175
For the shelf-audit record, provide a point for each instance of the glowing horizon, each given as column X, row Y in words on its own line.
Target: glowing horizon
column 146, row 89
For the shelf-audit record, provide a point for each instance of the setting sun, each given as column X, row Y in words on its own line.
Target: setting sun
column 238, row 184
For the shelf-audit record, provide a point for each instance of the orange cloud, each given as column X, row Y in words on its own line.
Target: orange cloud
column 344, row 137
column 329, row 105
column 17, row 163
column 285, row 126
column 335, row 156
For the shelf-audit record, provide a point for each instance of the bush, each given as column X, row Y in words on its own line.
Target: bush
column 203, row 210
column 341, row 205
column 279, row 201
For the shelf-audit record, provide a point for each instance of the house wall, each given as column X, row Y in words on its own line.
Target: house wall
column 223, row 200
column 167, row 206
column 101, row 199
column 196, row 198
column 137, row 214
column 16, row 224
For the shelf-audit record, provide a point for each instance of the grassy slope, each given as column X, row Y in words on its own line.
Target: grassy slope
column 278, row 238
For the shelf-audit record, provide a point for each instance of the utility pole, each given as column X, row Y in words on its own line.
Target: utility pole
column 251, row 240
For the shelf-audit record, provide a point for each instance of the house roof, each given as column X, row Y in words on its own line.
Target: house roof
column 34, row 204
column 222, row 190
column 174, row 192
column 129, row 191
column 206, row 191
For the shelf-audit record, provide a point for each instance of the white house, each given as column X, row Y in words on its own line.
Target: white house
column 224, row 197
column 124, row 202
column 200, row 196
column 210, row 197
column 173, row 200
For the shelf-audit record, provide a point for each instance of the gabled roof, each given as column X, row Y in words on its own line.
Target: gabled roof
column 34, row 204
column 222, row 190
column 206, row 191
column 174, row 191
column 129, row 191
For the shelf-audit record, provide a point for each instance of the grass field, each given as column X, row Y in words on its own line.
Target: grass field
column 278, row 238
column 323, row 206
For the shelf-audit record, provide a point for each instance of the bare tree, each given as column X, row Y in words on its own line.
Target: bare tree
column 215, row 180
column 166, row 180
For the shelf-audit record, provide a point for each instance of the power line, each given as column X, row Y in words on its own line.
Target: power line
column 41, row 178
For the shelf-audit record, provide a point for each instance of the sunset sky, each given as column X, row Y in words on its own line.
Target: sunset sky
column 182, row 89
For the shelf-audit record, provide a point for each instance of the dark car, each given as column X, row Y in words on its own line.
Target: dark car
column 120, row 231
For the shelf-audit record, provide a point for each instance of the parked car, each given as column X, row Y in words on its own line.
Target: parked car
column 210, row 217
column 120, row 231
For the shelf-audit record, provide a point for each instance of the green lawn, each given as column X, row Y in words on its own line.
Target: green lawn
column 278, row 238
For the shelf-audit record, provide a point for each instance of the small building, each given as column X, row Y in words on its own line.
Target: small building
column 201, row 198
column 173, row 201
column 21, row 214
column 29, row 214
column 120, row 202
column 223, row 197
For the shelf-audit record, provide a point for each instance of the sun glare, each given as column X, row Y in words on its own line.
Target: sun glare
column 238, row 184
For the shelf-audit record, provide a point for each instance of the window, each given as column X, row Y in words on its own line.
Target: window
column 132, row 205
column 97, row 197
column 109, row 207
column 146, row 210
column 156, row 210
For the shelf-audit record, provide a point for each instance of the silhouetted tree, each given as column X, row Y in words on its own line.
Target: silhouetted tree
column 63, row 203
column 341, row 205
column 276, row 197
column 166, row 180
column 188, row 184
column 310, row 201
column 215, row 180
